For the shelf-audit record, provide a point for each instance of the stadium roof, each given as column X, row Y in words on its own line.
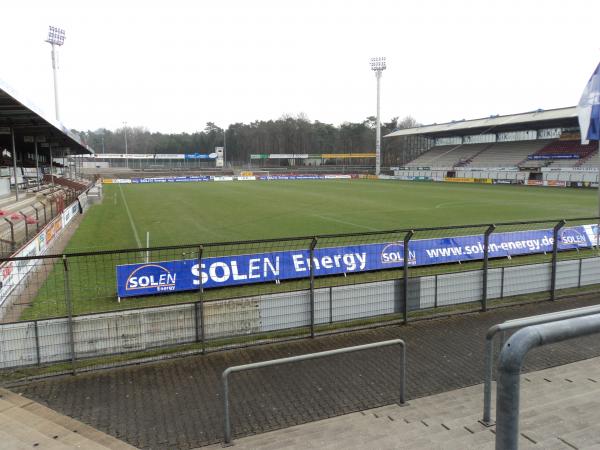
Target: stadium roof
column 561, row 117
column 28, row 120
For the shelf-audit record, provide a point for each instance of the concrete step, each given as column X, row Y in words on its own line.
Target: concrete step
column 583, row 438
column 10, row 400
column 49, row 429
column 28, row 435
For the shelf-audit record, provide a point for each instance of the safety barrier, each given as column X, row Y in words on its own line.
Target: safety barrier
column 511, row 325
column 509, row 369
column 292, row 359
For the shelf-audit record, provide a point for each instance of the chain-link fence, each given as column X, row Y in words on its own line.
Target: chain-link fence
column 99, row 309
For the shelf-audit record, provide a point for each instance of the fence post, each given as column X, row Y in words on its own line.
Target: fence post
column 37, row 343
column 486, row 252
column 37, row 218
column 311, row 255
column 13, row 244
column 199, row 308
column 330, row 304
column 45, row 217
column 405, row 273
column 69, row 313
column 555, row 231
column 26, row 226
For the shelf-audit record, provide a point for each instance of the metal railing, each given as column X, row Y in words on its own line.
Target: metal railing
column 509, row 369
column 511, row 325
column 292, row 359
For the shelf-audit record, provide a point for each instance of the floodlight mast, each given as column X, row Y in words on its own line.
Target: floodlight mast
column 378, row 65
column 56, row 37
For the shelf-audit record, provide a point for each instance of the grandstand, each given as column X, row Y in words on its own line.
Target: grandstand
column 532, row 144
column 35, row 186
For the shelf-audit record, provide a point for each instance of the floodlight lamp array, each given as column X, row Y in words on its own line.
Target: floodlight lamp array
column 378, row 64
column 56, row 36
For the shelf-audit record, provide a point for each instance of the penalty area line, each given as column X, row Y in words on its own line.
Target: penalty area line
column 135, row 233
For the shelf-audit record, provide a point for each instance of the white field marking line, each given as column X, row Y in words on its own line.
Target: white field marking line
column 441, row 205
column 135, row 233
column 345, row 222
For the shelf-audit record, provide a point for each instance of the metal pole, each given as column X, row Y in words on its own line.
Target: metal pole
column 55, row 72
column 405, row 273
column 69, row 312
column 200, row 303
column 509, row 369
column 51, row 165
column 37, row 219
column 13, row 244
column 378, row 129
column 511, row 325
column 555, row 231
column 311, row 256
column 291, row 359
column 37, row 164
column 14, row 155
column 26, row 227
column 486, row 251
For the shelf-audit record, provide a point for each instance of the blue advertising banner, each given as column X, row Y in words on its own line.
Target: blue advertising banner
column 199, row 156
column 171, row 179
column 554, row 156
column 184, row 275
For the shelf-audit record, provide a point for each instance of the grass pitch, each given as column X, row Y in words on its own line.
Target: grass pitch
column 194, row 213
column 233, row 211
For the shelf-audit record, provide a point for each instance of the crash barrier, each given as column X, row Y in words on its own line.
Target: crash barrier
column 510, row 363
column 512, row 325
column 292, row 359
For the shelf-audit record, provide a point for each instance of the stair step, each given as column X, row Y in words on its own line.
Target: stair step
column 50, row 429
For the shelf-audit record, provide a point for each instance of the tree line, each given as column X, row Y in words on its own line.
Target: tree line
column 288, row 134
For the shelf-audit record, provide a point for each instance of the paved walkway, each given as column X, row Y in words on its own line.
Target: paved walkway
column 177, row 404
column 559, row 409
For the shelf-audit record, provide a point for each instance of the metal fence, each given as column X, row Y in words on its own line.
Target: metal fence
column 64, row 314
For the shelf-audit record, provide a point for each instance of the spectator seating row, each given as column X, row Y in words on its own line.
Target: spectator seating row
column 554, row 150
column 507, row 155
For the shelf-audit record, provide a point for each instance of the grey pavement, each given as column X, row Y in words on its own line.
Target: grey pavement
column 177, row 404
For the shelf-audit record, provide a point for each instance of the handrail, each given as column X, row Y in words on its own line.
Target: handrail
column 510, row 325
column 273, row 362
column 509, row 369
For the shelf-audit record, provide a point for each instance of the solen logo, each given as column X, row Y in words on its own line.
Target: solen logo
column 394, row 254
column 571, row 236
column 151, row 276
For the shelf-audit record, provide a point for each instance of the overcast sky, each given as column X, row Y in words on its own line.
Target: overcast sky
column 173, row 65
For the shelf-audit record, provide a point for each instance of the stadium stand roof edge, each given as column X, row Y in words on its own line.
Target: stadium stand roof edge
column 27, row 119
column 551, row 117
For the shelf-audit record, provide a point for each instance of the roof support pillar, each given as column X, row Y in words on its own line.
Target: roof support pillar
column 14, row 155
column 37, row 164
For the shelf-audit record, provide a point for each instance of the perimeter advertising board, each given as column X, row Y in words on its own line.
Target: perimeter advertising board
column 184, row 275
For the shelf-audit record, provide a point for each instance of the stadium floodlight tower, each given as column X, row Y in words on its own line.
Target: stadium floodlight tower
column 378, row 65
column 56, row 37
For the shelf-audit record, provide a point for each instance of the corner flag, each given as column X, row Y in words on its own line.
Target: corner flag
column 588, row 109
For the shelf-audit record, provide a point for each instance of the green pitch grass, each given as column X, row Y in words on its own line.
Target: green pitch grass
column 233, row 211
column 193, row 213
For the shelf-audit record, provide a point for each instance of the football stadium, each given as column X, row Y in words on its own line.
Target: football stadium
column 438, row 289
